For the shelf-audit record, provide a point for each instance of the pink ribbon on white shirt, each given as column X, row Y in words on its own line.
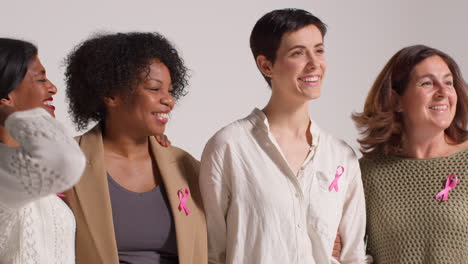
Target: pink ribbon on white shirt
column 449, row 185
column 182, row 199
column 338, row 173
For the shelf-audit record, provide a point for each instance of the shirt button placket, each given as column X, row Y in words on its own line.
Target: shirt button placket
column 301, row 172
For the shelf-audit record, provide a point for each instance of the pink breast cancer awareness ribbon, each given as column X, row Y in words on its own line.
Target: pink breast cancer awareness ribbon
column 338, row 173
column 449, row 185
column 182, row 199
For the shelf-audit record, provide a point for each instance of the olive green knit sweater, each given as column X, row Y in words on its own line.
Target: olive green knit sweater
column 405, row 223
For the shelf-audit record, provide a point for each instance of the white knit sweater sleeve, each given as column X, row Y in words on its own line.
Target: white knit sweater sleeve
column 47, row 161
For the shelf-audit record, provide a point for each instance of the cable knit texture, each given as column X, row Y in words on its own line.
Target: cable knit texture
column 405, row 223
column 35, row 225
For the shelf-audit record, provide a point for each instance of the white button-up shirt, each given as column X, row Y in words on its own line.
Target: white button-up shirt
column 259, row 211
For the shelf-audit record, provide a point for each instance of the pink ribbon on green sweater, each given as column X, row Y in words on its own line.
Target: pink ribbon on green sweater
column 449, row 185
column 338, row 173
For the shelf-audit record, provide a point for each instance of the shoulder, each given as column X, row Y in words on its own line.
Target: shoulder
column 365, row 165
column 336, row 147
column 234, row 129
column 181, row 155
column 463, row 149
column 228, row 135
column 378, row 165
column 92, row 133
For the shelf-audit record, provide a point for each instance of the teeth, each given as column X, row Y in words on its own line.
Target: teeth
column 439, row 107
column 310, row 79
column 163, row 115
column 47, row 102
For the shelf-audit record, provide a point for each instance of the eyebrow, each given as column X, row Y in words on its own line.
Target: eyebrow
column 42, row 72
column 154, row 79
column 303, row 47
column 430, row 75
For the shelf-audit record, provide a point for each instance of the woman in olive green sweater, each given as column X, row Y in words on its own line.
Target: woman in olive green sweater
column 415, row 164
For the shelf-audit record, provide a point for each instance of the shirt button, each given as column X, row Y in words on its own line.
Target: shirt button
column 297, row 195
column 298, row 226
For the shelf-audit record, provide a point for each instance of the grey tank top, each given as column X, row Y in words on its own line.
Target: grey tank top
column 143, row 225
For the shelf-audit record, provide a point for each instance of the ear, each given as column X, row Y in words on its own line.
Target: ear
column 111, row 101
column 396, row 102
column 264, row 65
column 7, row 101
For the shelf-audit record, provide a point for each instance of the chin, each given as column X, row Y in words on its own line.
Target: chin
column 313, row 96
column 443, row 123
column 444, row 126
column 157, row 132
column 50, row 111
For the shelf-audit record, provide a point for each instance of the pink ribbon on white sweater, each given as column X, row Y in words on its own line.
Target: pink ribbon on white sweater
column 338, row 173
column 449, row 185
column 182, row 199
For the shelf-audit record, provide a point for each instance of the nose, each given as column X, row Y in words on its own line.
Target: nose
column 312, row 62
column 168, row 100
column 443, row 90
column 51, row 88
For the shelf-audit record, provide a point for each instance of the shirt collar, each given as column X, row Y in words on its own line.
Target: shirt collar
column 259, row 120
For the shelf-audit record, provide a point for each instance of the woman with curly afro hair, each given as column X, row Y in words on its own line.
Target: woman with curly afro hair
column 137, row 202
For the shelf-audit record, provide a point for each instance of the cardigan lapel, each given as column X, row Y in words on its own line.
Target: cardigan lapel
column 93, row 195
column 172, row 174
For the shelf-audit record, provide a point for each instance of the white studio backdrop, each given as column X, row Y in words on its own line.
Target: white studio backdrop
column 213, row 39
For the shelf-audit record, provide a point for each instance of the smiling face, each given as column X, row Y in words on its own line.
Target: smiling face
column 300, row 64
column 35, row 90
column 430, row 99
column 146, row 110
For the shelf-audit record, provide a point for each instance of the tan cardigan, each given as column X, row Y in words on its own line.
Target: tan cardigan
column 90, row 202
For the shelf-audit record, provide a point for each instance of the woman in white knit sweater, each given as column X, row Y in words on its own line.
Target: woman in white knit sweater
column 37, row 160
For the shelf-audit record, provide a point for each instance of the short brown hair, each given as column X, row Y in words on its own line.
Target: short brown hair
column 267, row 33
column 381, row 125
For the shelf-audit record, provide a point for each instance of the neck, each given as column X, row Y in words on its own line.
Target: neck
column 287, row 117
column 117, row 141
column 6, row 138
column 423, row 146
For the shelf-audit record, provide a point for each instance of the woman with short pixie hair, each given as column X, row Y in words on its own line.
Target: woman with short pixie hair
column 38, row 159
column 137, row 202
column 415, row 164
column 276, row 187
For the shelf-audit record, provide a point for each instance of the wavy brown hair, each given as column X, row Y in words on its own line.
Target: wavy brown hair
column 381, row 126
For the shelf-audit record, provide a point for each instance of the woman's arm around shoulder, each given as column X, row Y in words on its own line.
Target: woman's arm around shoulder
column 353, row 222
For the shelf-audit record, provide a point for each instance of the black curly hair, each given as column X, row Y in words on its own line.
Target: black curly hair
column 109, row 64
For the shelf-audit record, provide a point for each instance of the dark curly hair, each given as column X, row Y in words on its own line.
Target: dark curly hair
column 109, row 64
